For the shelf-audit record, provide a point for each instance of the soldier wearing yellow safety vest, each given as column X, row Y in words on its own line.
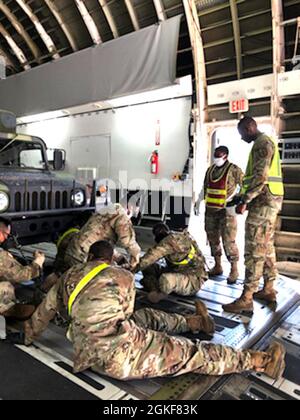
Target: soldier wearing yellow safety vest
column 262, row 195
column 222, row 181
column 185, row 271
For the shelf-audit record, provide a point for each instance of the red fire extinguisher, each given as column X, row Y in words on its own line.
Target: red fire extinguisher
column 154, row 163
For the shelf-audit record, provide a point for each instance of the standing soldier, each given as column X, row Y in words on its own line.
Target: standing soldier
column 111, row 339
column 221, row 183
column 262, row 194
column 11, row 273
column 112, row 224
column 185, row 273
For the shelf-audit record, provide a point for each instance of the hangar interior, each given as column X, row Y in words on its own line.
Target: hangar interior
column 107, row 83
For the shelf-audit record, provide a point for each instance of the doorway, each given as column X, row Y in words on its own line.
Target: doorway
column 91, row 157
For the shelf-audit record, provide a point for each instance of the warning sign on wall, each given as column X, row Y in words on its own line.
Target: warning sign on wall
column 157, row 133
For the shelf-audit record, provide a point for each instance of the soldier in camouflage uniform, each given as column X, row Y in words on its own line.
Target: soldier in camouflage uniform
column 60, row 266
column 110, row 339
column 227, row 177
column 12, row 273
column 185, row 273
column 262, row 194
column 111, row 224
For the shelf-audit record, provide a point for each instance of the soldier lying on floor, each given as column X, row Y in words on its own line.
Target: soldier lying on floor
column 111, row 339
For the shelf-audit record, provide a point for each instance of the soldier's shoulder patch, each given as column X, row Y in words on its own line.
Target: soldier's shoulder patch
column 262, row 152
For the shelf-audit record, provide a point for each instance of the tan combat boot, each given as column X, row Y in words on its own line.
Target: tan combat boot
column 201, row 321
column 28, row 333
column 156, row 297
column 218, row 269
column 234, row 274
column 271, row 362
column 268, row 294
column 20, row 312
column 242, row 305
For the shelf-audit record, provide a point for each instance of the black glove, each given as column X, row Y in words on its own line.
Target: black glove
column 235, row 201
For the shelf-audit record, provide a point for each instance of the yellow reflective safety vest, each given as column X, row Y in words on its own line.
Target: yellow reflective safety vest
column 189, row 258
column 65, row 235
column 275, row 180
column 216, row 194
column 83, row 283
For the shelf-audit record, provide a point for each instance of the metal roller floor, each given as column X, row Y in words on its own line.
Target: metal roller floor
column 49, row 361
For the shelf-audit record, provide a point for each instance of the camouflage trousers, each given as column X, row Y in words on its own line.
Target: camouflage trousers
column 160, row 321
column 7, row 297
column 44, row 313
column 160, row 279
column 148, row 351
column 260, row 253
column 220, row 225
column 149, row 354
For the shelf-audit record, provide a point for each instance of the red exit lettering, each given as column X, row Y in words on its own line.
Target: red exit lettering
column 241, row 105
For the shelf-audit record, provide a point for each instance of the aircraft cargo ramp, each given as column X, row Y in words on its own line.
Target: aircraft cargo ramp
column 44, row 370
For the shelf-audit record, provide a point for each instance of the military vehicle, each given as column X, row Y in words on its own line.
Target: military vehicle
column 35, row 194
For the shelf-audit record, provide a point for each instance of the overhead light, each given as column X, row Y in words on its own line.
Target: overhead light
column 42, row 117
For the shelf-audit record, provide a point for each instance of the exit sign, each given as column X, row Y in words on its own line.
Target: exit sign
column 240, row 105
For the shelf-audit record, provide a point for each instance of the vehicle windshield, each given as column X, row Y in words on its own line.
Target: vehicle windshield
column 21, row 154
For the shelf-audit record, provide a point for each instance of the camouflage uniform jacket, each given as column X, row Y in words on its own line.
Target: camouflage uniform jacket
column 176, row 248
column 258, row 193
column 14, row 272
column 60, row 265
column 113, row 225
column 107, row 338
column 235, row 178
column 100, row 319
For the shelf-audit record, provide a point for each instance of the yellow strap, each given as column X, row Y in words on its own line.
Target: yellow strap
column 215, row 200
column 65, row 235
column 83, row 283
column 216, row 192
column 189, row 258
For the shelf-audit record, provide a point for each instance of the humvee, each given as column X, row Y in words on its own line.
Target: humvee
column 35, row 194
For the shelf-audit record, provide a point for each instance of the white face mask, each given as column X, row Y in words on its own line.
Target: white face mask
column 219, row 162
